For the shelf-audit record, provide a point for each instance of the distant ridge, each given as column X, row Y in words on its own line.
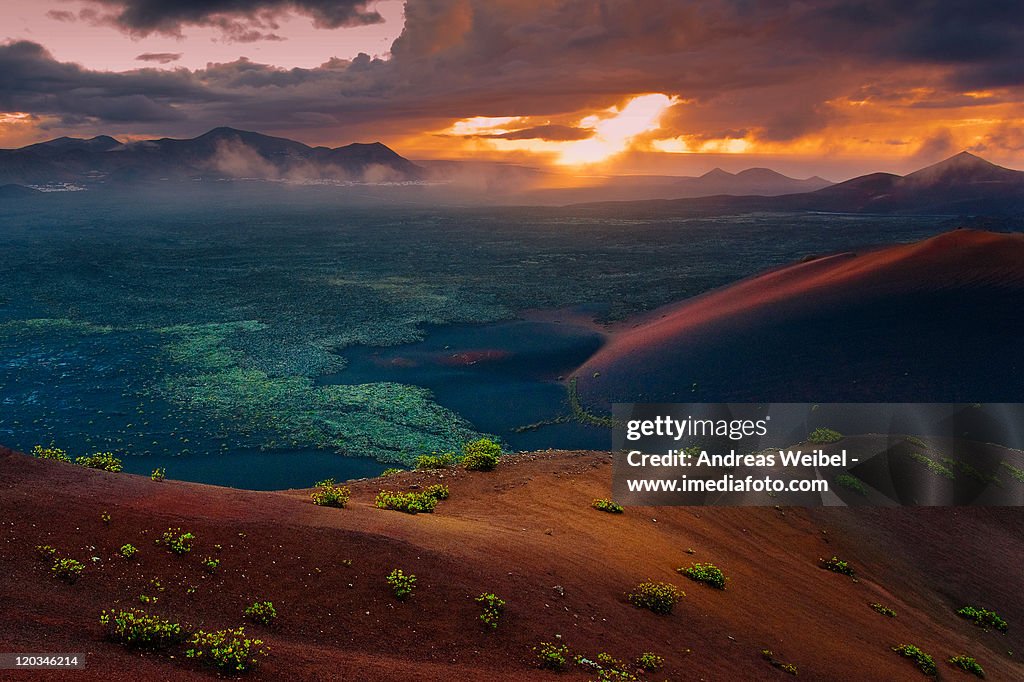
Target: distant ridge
column 221, row 153
column 963, row 184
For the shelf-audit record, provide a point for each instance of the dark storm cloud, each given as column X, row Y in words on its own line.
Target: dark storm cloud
column 548, row 132
column 240, row 19
column 159, row 57
column 776, row 70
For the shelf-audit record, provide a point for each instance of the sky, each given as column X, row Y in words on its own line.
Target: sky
column 827, row 87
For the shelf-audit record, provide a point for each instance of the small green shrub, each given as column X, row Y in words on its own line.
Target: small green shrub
column 924, row 662
column 210, row 564
column 935, row 467
column 821, row 436
column 262, row 612
column 983, row 618
column 46, row 552
column 51, row 452
column 390, row 472
column 481, row 454
column 435, row 461
column 176, row 541
column 105, row 518
column 967, row 664
column 226, row 650
column 146, row 599
column 412, row 503
column 650, row 662
column 493, row 607
column 606, row 505
column 159, row 474
column 67, row 570
column 655, row 596
column 104, row 461
column 709, row 574
column 330, row 494
column 852, row 483
column 607, row 667
column 837, row 565
column 137, row 629
column 769, row 656
column 128, row 550
column 401, row 584
column 914, row 440
column 552, row 656
column 884, row 610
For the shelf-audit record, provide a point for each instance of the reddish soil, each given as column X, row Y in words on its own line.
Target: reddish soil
column 519, row 531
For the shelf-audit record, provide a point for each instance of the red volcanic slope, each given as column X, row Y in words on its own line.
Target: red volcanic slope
column 987, row 265
column 526, row 532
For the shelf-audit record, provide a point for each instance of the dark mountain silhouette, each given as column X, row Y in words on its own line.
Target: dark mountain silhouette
column 964, row 184
column 221, row 153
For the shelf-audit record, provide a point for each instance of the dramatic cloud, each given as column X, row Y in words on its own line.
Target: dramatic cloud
column 827, row 77
column 236, row 17
column 159, row 57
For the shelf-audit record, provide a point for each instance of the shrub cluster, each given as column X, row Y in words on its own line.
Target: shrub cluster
column 607, row 667
column 967, row 664
column 390, row 472
column 481, row 454
column 262, row 612
column 227, row 650
column 884, row 610
column 852, row 483
column 139, row 630
column 330, row 494
column 412, row 503
column 552, row 656
column 52, row 452
column 655, row 596
column 769, row 656
column 983, row 618
column 128, row 550
column 176, row 541
column 68, row 570
column 836, row 565
column 709, row 574
column 606, row 505
column 924, row 662
column 434, row 461
column 211, row 564
column 649, row 662
column 159, row 474
column 401, row 584
column 821, row 436
column 493, row 607
column 104, row 461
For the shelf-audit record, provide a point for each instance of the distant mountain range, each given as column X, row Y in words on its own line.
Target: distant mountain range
column 963, row 184
column 222, row 153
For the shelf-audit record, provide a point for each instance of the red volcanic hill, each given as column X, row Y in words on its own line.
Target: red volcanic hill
column 527, row 533
column 931, row 321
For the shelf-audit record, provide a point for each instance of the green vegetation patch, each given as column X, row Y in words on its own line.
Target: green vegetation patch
column 853, row 483
column 837, row 565
column 387, row 421
column 821, row 436
column 402, row 584
column 412, row 502
column 262, row 612
column 104, row 461
column 493, row 607
column 650, row 662
column 709, row 574
column 657, row 597
column 933, row 466
column 137, row 629
column 967, row 664
column 882, row 609
column 983, row 618
column 52, row 452
column 552, row 656
column 177, row 542
column 1014, row 471
column 924, row 662
column 769, row 655
column 227, row 650
column 606, row 505
column 481, row 454
column 330, row 494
